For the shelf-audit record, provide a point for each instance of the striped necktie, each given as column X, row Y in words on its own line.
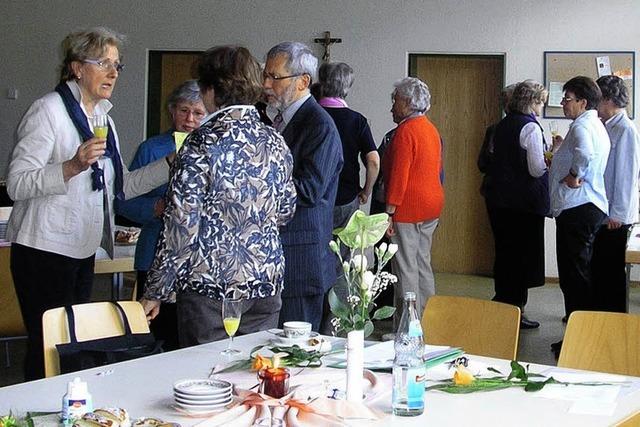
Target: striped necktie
column 277, row 121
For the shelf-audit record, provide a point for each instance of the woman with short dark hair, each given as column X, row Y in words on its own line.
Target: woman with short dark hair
column 230, row 191
column 578, row 197
column 519, row 198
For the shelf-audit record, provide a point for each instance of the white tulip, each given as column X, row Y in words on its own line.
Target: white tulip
column 345, row 267
column 367, row 280
column 383, row 247
column 334, row 246
column 393, row 248
column 359, row 262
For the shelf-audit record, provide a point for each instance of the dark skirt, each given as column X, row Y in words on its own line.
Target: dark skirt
column 519, row 253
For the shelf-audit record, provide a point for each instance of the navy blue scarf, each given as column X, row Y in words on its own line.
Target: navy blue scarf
column 79, row 119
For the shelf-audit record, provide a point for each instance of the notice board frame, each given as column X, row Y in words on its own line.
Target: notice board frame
column 560, row 66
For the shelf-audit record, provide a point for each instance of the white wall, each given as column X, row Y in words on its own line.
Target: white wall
column 377, row 35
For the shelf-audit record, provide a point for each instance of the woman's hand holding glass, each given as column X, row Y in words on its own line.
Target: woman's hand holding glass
column 231, row 314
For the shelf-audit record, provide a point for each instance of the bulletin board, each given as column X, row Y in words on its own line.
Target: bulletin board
column 559, row 67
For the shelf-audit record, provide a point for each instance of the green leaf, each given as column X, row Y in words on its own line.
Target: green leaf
column 368, row 328
column 383, row 312
column 370, row 228
column 338, row 307
column 538, row 385
column 517, row 371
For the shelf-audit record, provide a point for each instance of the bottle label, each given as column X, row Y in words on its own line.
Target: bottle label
column 415, row 330
column 415, row 387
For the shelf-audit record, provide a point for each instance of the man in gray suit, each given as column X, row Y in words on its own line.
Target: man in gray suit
column 317, row 161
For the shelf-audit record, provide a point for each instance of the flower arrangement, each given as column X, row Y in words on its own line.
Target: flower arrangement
column 363, row 286
column 282, row 357
column 463, row 381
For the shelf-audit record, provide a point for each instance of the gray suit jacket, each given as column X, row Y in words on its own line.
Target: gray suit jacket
column 317, row 161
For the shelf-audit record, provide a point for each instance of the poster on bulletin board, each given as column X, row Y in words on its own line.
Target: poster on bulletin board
column 559, row 67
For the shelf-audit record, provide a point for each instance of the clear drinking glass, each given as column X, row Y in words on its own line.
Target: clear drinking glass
column 100, row 125
column 231, row 314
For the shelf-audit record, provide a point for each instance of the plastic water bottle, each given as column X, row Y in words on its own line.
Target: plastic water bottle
column 408, row 367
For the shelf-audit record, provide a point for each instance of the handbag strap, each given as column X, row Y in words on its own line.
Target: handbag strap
column 71, row 320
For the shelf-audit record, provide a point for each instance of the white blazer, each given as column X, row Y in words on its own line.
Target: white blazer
column 49, row 214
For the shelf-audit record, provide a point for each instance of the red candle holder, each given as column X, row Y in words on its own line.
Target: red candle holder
column 274, row 382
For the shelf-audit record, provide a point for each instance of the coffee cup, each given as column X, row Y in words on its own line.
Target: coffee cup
column 296, row 329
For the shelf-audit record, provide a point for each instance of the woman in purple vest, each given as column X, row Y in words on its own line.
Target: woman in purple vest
column 520, row 195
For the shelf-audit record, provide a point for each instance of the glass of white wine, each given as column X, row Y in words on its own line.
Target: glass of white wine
column 231, row 314
column 100, row 125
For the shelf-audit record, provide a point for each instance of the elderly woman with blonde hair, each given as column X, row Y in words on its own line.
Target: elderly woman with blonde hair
column 519, row 195
column 64, row 177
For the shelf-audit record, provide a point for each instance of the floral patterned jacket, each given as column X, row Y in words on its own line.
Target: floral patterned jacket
column 230, row 190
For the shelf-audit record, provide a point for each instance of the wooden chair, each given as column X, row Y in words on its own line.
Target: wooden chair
column 11, row 324
column 602, row 341
column 481, row 327
column 93, row 320
column 632, row 420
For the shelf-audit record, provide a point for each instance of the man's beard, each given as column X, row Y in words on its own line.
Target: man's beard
column 282, row 102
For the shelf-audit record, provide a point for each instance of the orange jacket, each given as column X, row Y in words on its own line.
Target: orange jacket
column 411, row 168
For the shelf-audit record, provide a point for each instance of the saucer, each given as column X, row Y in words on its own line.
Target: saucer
column 303, row 342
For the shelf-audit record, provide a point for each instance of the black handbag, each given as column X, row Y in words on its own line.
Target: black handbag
column 77, row 355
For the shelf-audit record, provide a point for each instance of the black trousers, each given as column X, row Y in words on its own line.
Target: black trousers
column 609, row 269
column 519, row 254
column 45, row 280
column 165, row 326
column 575, row 233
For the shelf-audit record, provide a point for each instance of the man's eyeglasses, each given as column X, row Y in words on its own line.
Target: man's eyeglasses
column 276, row 78
column 568, row 99
column 105, row 64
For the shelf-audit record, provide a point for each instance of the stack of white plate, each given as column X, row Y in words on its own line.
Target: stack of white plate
column 202, row 395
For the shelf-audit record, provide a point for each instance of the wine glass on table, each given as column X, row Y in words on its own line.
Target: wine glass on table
column 231, row 314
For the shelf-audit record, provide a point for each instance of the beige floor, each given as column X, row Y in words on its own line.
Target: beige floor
column 545, row 305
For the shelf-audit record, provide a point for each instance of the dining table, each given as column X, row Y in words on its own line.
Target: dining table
column 144, row 387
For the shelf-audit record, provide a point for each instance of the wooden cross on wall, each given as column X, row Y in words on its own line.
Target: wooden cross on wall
column 326, row 42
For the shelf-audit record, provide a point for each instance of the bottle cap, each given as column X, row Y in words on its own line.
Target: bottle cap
column 410, row 296
column 76, row 388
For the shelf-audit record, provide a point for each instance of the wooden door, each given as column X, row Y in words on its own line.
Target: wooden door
column 464, row 101
column 167, row 69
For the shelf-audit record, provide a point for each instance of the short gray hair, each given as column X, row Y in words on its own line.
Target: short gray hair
column 188, row 91
column 300, row 59
column 416, row 92
column 336, row 79
column 86, row 44
column 505, row 96
column 525, row 95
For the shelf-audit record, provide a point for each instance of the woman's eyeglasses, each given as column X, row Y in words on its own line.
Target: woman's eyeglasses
column 105, row 64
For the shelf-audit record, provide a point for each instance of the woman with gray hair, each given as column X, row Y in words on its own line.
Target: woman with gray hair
column 64, row 180
column 621, row 185
column 412, row 167
column 335, row 81
column 186, row 109
column 519, row 197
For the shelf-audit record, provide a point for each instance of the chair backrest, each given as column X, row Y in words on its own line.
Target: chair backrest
column 481, row 327
column 632, row 420
column 602, row 341
column 93, row 320
column 11, row 324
